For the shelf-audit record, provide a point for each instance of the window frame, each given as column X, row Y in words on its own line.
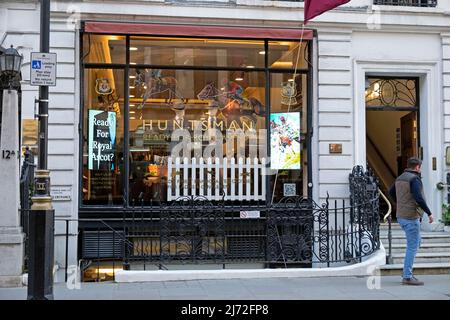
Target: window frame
column 101, row 211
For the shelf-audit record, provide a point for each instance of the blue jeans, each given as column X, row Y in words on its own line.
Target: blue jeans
column 412, row 231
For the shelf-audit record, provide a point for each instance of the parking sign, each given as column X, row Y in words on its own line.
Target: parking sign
column 43, row 69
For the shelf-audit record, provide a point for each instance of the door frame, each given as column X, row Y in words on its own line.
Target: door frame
column 430, row 96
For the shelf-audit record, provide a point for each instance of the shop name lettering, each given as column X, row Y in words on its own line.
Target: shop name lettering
column 196, row 124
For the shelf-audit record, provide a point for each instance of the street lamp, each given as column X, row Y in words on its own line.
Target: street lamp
column 10, row 66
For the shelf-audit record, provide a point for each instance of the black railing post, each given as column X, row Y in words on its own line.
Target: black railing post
column 67, row 249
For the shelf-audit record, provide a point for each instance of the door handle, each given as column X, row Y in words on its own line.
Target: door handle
column 441, row 185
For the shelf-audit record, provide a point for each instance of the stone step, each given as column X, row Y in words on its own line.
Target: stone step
column 425, row 247
column 419, row 268
column 423, row 257
column 427, row 237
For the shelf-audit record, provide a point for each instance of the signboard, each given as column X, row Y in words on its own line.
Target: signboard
column 61, row 193
column 285, row 140
column 102, row 140
column 249, row 214
column 43, row 69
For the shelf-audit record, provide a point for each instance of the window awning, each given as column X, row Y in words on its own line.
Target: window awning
column 195, row 30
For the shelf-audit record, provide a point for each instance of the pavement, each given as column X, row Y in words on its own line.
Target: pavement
column 437, row 287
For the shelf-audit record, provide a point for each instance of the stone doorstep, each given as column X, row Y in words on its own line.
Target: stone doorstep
column 24, row 277
column 419, row 268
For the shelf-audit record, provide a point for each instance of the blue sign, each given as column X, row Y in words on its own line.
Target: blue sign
column 36, row 64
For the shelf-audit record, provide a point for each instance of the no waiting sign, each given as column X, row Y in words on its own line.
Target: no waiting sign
column 43, row 69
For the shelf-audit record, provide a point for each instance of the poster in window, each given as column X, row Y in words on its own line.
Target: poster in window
column 285, row 140
column 102, row 140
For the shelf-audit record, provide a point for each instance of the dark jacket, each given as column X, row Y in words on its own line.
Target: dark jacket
column 407, row 191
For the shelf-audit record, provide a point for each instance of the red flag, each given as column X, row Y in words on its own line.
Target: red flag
column 313, row 8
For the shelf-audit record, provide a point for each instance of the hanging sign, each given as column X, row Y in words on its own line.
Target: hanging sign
column 102, row 140
column 43, row 69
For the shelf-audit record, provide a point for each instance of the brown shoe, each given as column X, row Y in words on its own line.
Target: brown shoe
column 412, row 282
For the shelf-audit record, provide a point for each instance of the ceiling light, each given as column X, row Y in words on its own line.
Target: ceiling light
column 132, row 118
column 133, row 63
column 131, row 96
column 262, row 52
column 132, row 77
column 132, row 87
column 250, row 67
column 133, row 48
column 132, row 105
column 132, row 111
column 291, row 80
column 239, row 79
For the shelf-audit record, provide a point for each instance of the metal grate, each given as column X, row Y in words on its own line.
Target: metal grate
column 102, row 244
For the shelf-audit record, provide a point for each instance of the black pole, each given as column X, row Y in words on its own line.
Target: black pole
column 42, row 217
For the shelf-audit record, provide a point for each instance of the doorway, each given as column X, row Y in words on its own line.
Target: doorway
column 392, row 127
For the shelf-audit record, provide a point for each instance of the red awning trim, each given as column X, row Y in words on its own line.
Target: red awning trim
column 195, row 30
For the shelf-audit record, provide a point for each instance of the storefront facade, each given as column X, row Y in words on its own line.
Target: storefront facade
column 166, row 75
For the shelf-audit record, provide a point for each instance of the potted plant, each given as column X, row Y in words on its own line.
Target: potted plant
column 446, row 217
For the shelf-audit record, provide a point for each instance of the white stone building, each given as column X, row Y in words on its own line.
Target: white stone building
column 355, row 47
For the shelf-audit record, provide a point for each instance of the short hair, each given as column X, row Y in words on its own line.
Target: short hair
column 413, row 162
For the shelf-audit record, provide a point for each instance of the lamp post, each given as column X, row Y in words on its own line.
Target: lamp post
column 42, row 216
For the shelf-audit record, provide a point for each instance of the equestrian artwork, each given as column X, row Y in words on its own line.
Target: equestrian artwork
column 154, row 83
column 232, row 105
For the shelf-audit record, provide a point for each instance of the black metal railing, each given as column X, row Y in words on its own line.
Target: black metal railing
column 26, row 192
column 194, row 230
column 407, row 3
column 294, row 232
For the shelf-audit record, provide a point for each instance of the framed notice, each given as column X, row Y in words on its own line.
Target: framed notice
column 285, row 140
column 102, row 140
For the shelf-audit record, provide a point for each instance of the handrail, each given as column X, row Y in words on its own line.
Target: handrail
column 388, row 217
column 389, row 205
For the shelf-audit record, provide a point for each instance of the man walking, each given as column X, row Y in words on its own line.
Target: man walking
column 407, row 192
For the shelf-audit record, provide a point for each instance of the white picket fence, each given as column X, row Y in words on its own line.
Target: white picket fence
column 241, row 180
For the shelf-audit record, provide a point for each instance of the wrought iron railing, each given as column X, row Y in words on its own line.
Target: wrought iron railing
column 194, row 230
column 407, row 3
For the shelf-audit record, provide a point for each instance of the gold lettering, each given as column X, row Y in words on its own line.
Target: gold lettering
column 218, row 125
column 178, row 124
column 40, row 186
column 234, row 125
column 159, row 125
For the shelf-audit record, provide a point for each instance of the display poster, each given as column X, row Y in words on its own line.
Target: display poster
column 102, row 140
column 285, row 140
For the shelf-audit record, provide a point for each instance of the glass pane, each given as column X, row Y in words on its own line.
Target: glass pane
column 103, row 137
column 103, row 49
column 288, row 128
column 391, row 92
column 286, row 54
column 196, row 52
column 215, row 115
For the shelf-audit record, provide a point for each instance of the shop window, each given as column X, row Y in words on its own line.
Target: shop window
column 197, row 52
column 103, row 135
column 195, row 110
column 186, row 129
column 288, row 129
column 103, row 49
column 288, row 55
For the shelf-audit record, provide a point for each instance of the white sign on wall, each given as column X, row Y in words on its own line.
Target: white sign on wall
column 61, row 193
column 43, row 69
column 250, row 214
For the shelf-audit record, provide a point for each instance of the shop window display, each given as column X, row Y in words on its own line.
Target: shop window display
column 202, row 128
